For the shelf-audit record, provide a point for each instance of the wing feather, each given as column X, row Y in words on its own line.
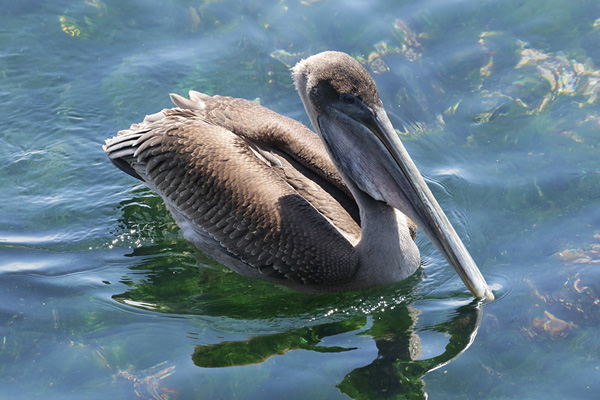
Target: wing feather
column 213, row 180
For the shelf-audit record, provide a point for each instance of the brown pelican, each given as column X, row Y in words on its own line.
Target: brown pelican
column 265, row 196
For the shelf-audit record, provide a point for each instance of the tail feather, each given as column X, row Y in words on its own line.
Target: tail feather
column 121, row 152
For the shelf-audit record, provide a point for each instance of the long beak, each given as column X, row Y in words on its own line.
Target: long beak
column 419, row 205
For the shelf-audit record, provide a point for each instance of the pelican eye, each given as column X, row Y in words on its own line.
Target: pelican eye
column 348, row 99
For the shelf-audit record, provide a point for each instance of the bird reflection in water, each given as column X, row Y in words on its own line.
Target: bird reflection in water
column 398, row 368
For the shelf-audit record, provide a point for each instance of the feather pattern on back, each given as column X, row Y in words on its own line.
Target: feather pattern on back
column 263, row 191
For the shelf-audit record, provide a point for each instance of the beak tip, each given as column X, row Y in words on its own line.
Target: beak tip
column 480, row 289
column 485, row 293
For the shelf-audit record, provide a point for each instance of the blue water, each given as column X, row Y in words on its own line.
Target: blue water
column 100, row 296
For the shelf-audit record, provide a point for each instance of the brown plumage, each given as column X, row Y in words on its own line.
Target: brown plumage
column 259, row 191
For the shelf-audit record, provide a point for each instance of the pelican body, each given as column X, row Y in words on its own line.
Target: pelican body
column 267, row 197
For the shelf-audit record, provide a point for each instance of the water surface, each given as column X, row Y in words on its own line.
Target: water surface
column 100, row 296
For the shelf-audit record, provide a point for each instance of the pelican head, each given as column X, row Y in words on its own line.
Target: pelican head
column 341, row 100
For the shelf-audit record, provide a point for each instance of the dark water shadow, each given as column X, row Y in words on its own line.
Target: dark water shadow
column 397, row 370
